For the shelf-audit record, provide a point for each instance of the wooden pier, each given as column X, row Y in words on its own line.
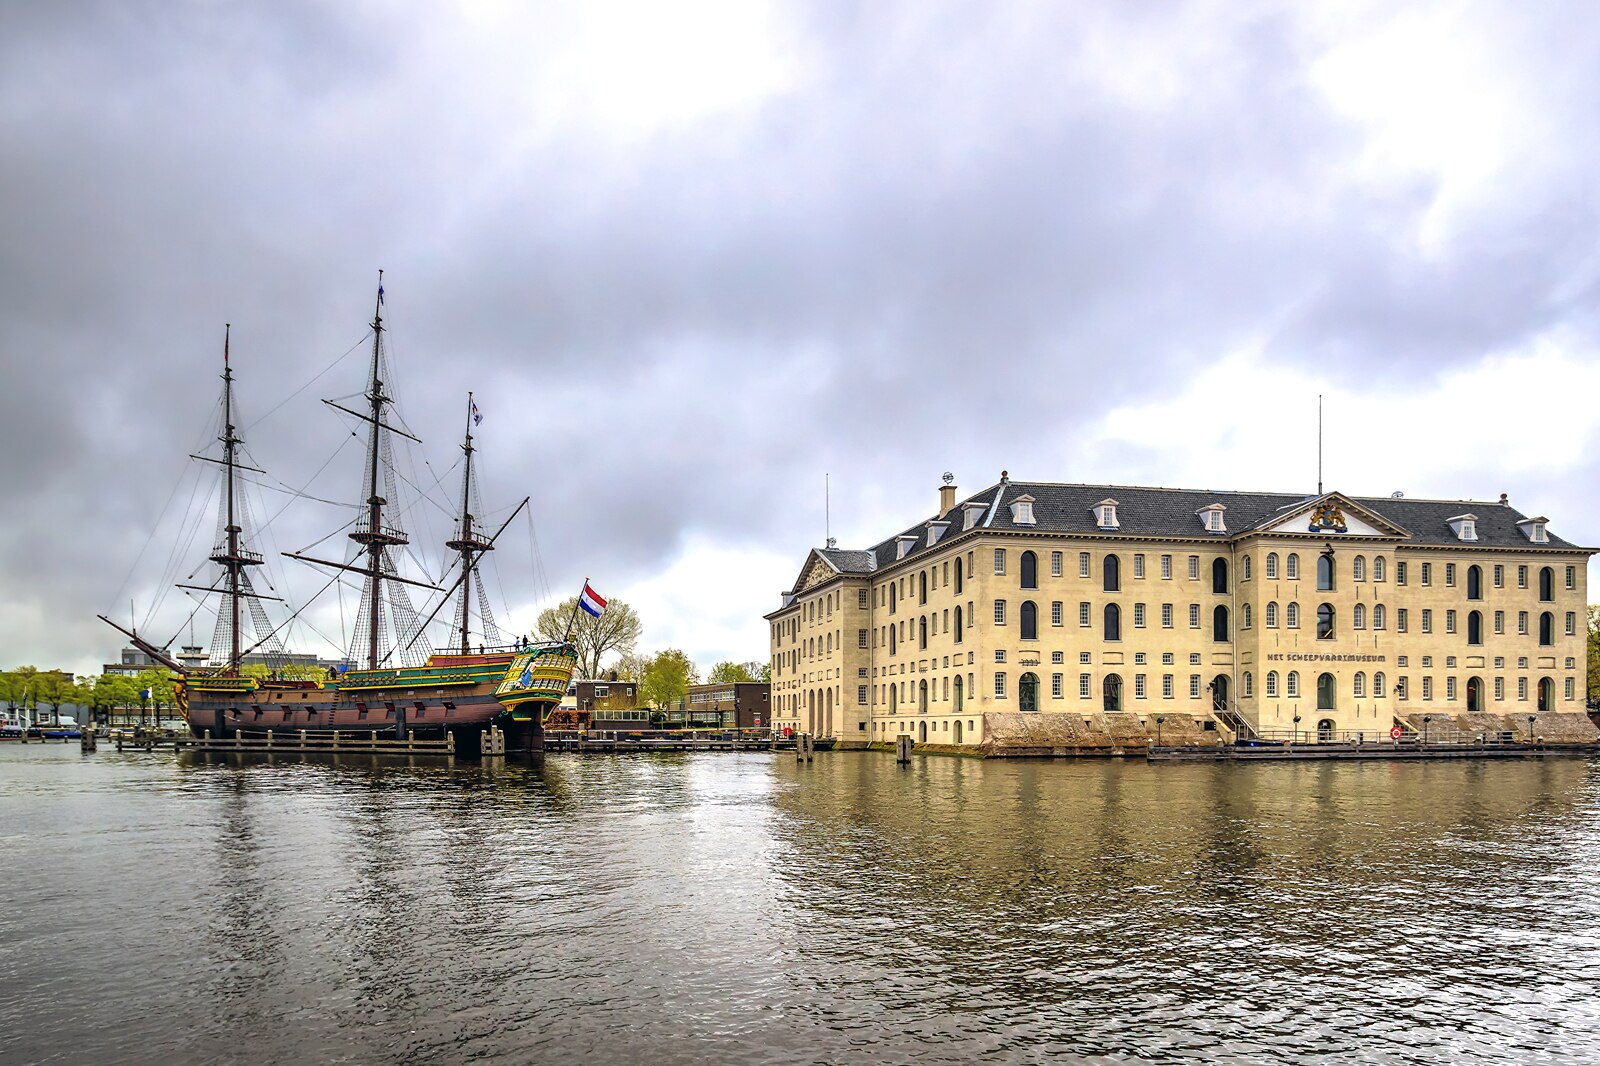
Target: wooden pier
column 332, row 742
column 1408, row 752
column 624, row 742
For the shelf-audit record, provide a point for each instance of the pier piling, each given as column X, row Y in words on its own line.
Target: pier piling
column 902, row 749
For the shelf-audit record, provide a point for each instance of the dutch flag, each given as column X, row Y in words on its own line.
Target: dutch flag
column 591, row 601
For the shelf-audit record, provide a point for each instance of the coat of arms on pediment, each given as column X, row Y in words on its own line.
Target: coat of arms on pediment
column 1328, row 517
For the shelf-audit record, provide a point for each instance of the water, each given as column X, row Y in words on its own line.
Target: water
column 740, row 908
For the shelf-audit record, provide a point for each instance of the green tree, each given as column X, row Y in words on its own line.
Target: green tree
column 11, row 690
column 1594, row 652
column 617, row 629
column 159, row 681
column 111, row 691
column 667, row 678
column 629, row 666
column 725, row 673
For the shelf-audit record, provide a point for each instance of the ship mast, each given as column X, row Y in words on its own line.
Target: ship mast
column 467, row 542
column 372, row 535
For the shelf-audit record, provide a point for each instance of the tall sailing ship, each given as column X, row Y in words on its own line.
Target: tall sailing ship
column 399, row 686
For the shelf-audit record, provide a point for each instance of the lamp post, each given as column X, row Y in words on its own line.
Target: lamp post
column 1531, row 719
column 1296, row 739
column 1160, row 721
column 1425, row 720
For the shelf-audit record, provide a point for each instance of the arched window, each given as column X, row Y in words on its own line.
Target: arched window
column 1325, row 621
column 1112, row 692
column 1326, row 730
column 922, row 587
column 1249, row 684
column 1378, row 616
column 891, row 597
column 1245, row 622
column 1219, row 623
column 960, row 702
column 1377, row 685
column 1547, row 584
column 1325, row 572
column 1474, row 695
column 1358, row 568
column 1028, row 692
column 1272, row 566
column 1219, row 575
column 1245, row 571
column 1358, row 687
column 1291, row 570
column 1474, row 627
column 922, row 696
column 1030, row 620
column 1358, row 616
column 1474, row 582
column 891, row 640
column 958, row 616
column 1030, row 570
column 1113, row 622
column 1272, row 682
column 1547, row 694
column 1292, row 616
column 894, row 698
column 1293, row 691
column 1272, row 615
column 1547, row 629
column 958, row 577
column 1113, row 574
column 922, row 632
column 1380, row 569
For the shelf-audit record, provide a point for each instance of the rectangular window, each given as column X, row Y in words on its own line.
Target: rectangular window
column 1166, row 616
column 1522, row 577
column 1399, row 572
column 1139, row 692
column 1449, row 621
column 1572, row 579
column 1058, row 657
column 861, row 638
column 1427, row 579
column 1450, row 575
column 1499, row 689
column 1194, row 568
column 1083, row 615
column 1427, row 687
column 1499, row 623
column 1499, row 576
column 861, row 597
column 1194, row 686
column 999, row 560
column 1166, row 568
column 999, row 655
column 999, row 612
column 861, row 694
column 1194, row 616
column 1138, row 564
column 1450, row 688
column 999, row 685
column 1427, row 620
column 1056, row 613
column 1400, row 620
column 1166, row 686
column 1083, row 686
column 1138, row 616
column 1572, row 623
column 1522, row 688
column 1083, row 564
column 1055, row 564
column 1572, row 689
column 1522, row 623
column 1055, row 686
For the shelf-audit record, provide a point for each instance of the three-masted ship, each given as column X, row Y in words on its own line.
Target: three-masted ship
column 398, row 685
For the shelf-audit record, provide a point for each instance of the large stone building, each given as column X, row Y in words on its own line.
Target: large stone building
column 1255, row 613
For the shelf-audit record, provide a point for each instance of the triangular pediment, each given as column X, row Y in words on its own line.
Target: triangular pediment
column 816, row 571
column 1332, row 514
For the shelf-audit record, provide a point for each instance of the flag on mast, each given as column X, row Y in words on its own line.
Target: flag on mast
column 591, row 601
column 477, row 416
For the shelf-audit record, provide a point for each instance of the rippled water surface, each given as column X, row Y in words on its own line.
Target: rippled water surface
column 743, row 908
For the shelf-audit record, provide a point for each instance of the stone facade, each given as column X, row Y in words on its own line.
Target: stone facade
column 1245, row 614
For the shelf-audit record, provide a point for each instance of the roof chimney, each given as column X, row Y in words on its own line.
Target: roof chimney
column 947, row 498
column 1505, row 501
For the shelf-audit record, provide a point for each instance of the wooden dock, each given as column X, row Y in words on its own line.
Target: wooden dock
column 324, row 743
column 558, row 742
column 1408, row 752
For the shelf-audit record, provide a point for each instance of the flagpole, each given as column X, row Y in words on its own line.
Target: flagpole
column 575, row 604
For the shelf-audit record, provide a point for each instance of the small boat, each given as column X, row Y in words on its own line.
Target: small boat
column 401, row 686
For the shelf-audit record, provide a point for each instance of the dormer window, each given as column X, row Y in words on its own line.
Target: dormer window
column 1105, row 514
column 1211, row 518
column 935, row 531
column 1464, row 526
column 1533, row 529
column 971, row 511
column 1022, row 511
column 903, row 544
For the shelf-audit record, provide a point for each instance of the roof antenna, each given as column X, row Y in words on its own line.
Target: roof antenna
column 1319, row 444
column 827, row 511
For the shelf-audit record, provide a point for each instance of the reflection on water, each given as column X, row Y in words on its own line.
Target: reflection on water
column 743, row 908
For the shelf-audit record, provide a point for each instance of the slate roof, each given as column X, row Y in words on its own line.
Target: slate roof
column 1171, row 513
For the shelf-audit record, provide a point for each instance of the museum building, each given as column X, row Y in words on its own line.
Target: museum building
column 1258, row 613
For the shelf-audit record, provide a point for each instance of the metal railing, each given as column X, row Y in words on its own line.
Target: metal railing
column 1408, row 738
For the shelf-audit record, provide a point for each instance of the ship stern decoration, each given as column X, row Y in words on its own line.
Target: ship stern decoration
column 536, row 681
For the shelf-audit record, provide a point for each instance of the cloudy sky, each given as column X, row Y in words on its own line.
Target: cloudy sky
column 695, row 257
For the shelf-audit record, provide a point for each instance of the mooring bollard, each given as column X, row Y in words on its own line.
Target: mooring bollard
column 902, row 748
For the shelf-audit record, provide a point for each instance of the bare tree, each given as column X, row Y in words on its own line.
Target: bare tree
column 617, row 629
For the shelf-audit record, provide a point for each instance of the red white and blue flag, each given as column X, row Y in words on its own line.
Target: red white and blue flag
column 591, row 601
